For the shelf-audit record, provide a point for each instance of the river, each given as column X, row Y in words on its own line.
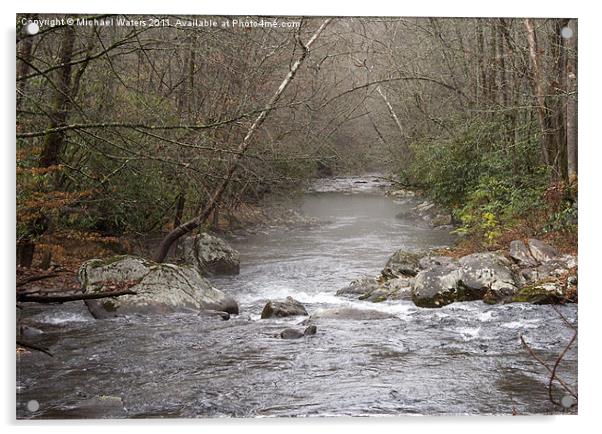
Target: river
column 465, row 358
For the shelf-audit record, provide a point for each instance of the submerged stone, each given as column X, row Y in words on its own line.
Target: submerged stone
column 350, row 313
column 297, row 334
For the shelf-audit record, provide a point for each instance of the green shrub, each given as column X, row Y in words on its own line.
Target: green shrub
column 486, row 181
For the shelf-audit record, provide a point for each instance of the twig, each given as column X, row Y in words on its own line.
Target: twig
column 543, row 363
column 34, row 347
column 564, row 318
column 27, row 298
column 35, row 278
column 558, row 360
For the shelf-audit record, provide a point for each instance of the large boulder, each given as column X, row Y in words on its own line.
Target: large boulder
column 399, row 288
column 430, row 261
column 283, row 308
column 402, row 263
column 541, row 251
column 473, row 277
column 540, row 293
column 210, row 255
column 437, row 287
column 487, row 274
column 159, row 288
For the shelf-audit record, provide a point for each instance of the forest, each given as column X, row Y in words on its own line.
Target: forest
column 138, row 134
column 130, row 130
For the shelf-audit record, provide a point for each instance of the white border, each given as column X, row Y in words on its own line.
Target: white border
column 590, row 211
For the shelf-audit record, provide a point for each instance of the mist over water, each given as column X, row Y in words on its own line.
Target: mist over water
column 465, row 358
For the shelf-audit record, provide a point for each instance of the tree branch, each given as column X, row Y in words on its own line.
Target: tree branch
column 27, row 298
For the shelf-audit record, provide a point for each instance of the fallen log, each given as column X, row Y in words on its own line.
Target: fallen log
column 23, row 297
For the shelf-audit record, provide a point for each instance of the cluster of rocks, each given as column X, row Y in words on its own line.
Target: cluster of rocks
column 290, row 307
column 426, row 211
column 529, row 272
column 402, row 193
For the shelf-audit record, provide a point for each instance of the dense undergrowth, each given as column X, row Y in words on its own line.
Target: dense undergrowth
column 495, row 186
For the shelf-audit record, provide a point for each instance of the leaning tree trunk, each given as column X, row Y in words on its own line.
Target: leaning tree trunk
column 190, row 225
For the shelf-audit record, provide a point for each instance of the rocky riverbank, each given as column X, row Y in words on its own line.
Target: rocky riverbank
column 530, row 271
column 426, row 211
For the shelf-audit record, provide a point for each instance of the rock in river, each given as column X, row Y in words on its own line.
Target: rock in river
column 160, row 288
column 210, row 255
column 472, row 277
column 402, row 263
column 487, row 273
column 283, row 308
column 541, row 293
column 359, row 287
column 296, row 334
column 370, row 289
column 437, row 287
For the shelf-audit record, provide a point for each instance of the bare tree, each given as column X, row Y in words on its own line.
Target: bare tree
column 242, row 148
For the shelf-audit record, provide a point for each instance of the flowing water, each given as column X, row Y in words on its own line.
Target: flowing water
column 465, row 358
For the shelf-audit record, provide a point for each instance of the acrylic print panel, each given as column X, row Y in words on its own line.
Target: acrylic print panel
column 249, row 216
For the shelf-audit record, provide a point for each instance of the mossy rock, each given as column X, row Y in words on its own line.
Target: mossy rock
column 542, row 293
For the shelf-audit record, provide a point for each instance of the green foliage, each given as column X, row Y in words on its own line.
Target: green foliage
column 563, row 220
column 485, row 180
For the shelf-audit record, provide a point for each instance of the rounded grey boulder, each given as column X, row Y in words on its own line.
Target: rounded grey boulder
column 472, row 277
column 159, row 288
column 296, row 334
column 283, row 308
column 210, row 255
column 402, row 263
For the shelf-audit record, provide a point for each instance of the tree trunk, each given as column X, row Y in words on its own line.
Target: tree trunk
column 571, row 106
column 25, row 251
column 238, row 156
column 53, row 142
column 482, row 75
column 177, row 220
column 537, row 81
column 406, row 148
column 23, row 67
